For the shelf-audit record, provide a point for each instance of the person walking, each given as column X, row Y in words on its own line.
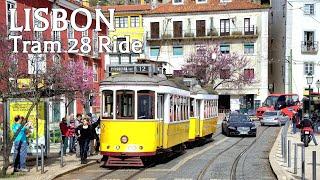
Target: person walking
column 78, row 122
column 64, row 129
column 295, row 120
column 84, row 134
column 20, row 145
column 72, row 135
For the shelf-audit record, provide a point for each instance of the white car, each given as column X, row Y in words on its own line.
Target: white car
column 273, row 118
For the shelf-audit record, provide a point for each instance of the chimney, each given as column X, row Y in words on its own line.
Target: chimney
column 85, row 3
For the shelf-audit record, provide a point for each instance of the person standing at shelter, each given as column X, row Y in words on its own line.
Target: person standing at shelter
column 20, row 145
column 64, row 134
column 72, row 136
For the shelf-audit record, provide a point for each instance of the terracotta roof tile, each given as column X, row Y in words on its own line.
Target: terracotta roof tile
column 127, row 8
column 190, row 6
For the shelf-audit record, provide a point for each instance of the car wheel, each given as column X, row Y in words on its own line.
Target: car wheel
column 228, row 133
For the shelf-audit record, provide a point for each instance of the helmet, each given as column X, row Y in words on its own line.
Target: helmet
column 306, row 116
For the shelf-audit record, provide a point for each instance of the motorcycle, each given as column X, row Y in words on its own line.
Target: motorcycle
column 306, row 135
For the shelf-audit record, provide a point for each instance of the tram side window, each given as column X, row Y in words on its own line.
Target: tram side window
column 108, row 104
column 160, row 106
column 172, row 109
column 145, row 105
column 192, row 107
column 125, row 104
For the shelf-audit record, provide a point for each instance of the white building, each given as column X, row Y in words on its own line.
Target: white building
column 178, row 28
column 294, row 41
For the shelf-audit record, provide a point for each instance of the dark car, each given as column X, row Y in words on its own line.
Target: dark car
column 238, row 125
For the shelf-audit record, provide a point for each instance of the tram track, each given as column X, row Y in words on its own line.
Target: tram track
column 233, row 172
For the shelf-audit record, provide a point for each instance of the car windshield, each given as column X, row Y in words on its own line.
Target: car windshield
column 271, row 101
column 239, row 118
column 270, row 114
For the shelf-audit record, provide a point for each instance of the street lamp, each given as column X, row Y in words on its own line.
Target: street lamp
column 318, row 85
column 309, row 82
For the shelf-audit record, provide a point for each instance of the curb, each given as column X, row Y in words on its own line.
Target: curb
column 278, row 170
column 74, row 169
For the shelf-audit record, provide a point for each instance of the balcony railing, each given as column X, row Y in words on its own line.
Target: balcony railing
column 309, row 47
column 204, row 33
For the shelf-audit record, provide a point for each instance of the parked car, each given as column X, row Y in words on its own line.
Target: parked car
column 238, row 125
column 273, row 118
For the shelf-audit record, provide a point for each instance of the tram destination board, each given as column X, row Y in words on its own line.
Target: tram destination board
column 142, row 69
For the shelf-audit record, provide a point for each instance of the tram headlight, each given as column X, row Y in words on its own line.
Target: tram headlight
column 117, row 147
column 124, row 139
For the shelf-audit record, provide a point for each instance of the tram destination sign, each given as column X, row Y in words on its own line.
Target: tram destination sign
column 142, row 69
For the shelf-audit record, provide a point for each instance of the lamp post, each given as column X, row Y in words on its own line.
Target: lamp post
column 318, row 85
column 309, row 82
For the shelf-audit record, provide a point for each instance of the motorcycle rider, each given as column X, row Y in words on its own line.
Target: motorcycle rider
column 306, row 122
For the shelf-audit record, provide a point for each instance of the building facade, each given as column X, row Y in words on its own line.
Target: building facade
column 92, row 60
column 294, row 52
column 128, row 26
column 176, row 29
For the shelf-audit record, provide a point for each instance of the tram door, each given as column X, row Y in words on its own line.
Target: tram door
column 198, row 102
column 160, row 116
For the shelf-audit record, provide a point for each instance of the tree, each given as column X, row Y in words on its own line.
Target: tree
column 213, row 68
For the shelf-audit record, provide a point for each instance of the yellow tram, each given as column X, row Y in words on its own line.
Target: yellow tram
column 144, row 113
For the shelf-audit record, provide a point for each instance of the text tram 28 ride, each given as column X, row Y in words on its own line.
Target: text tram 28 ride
column 60, row 23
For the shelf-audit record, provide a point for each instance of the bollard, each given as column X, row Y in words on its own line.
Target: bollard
column 295, row 160
column 285, row 149
column 61, row 153
column 289, row 153
column 42, row 158
column 314, row 165
column 282, row 152
column 302, row 162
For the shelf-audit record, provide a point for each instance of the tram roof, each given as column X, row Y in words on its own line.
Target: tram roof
column 138, row 79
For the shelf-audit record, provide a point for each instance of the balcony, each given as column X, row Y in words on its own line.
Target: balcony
column 309, row 47
column 214, row 33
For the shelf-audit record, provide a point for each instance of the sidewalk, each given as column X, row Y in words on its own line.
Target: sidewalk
column 52, row 166
column 280, row 167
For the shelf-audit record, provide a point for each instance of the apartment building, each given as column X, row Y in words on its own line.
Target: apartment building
column 176, row 29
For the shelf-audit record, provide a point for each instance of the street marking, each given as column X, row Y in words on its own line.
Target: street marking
column 183, row 161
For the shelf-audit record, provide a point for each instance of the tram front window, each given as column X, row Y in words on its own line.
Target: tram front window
column 108, row 104
column 125, row 104
column 145, row 105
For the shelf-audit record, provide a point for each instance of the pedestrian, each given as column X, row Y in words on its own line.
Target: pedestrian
column 84, row 134
column 20, row 145
column 72, row 135
column 306, row 122
column 64, row 134
column 295, row 120
column 91, row 144
column 78, row 122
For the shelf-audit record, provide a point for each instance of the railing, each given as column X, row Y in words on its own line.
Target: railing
column 309, row 46
column 203, row 33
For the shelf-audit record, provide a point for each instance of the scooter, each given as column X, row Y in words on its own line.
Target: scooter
column 306, row 135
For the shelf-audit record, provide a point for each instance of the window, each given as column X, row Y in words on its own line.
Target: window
column 309, row 9
column 125, row 104
column 308, row 68
column 56, row 113
column 224, row 27
column 177, row 1
column 155, row 33
column 135, row 21
column 38, row 24
column 248, row 74
column 177, row 28
column 160, row 106
column 85, row 34
column 201, row 28
column 95, row 72
column 225, row 49
column 71, row 106
column 95, row 43
column 201, row 1
column 56, row 59
column 248, row 28
column 225, row 1
column 145, row 105
column 225, row 74
column 10, row 5
column 108, row 104
column 86, row 67
column 70, row 31
column 177, row 50
column 248, row 48
column 121, row 22
column 36, row 63
column 154, row 51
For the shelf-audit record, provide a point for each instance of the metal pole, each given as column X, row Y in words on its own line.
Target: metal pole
column 302, row 162
column 285, row 149
column 42, row 158
column 309, row 101
column 37, row 138
column 282, row 148
column 295, row 160
column 289, row 153
column 61, row 153
column 314, row 165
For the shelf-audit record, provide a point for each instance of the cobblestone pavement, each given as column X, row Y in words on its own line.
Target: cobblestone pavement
column 223, row 158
